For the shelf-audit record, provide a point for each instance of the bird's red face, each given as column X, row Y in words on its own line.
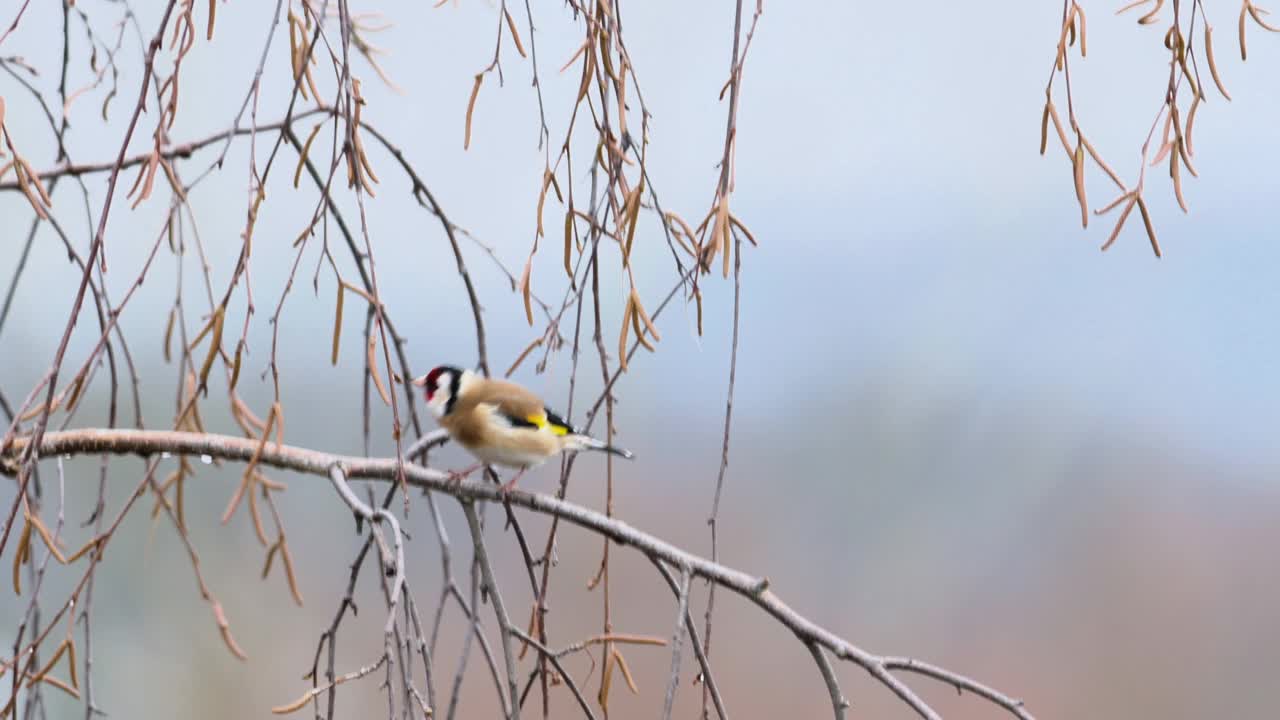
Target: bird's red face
column 433, row 378
column 441, row 388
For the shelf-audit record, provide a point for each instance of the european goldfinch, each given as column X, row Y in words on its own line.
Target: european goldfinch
column 500, row 422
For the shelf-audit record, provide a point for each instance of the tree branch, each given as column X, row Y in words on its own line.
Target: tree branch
column 754, row 589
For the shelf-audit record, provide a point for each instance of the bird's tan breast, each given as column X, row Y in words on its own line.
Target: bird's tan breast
column 493, row 440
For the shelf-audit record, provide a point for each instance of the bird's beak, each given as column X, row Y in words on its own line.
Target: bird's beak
column 419, row 381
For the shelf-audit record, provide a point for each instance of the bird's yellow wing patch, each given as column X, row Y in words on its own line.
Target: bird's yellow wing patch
column 540, row 421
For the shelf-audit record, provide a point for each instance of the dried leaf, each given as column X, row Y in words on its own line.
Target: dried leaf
column 364, row 163
column 1256, row 12
column 271, row 555
column 511, row 24
column 1114, row 203
column 1244, row 52
column 1101, row 163
column 235, row 367
column 471, row 106
column 1115, row 232
column 1077, row 166
column 278, row 409
column 1146, row 220
column 258, row 527
column 622, row 337
column 337, row 326
column 568, row 243
column 1213, row 65
column 644, row 317
column 524, row 290
column 547, row 178
column 697, row 295
column 587, row 69
column 635, row 325
column 372, row 359
column 39, row 184
column 168, row 334
column 1150, row 17
column 626, row 672
column 20, row 555
column 288, row 571
column 1184, row 154
column 524, row 354
column 572, row 59
column 751, row 238
column 302, row 156
column 225, row 629
column 1062, row 133
column 632, row 208
column 1084, row 49
column 1177, row 179
column 215, row 345
column 1044, row 129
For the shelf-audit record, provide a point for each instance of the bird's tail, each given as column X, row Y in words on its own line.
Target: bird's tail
column 585, row 442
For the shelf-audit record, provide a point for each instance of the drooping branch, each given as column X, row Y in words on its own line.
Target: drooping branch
column 314, row 462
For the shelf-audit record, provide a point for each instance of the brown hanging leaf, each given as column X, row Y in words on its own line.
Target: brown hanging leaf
column 572, row 59
column 1150, row 17
column 644, row 317
column 225, row 629
column 1146, row 220
column 271, row 554
column 289, row 574
column 632, row 208
column 1077, row 167
column 635, row 325
column 20, row 556
column 1115, row 232
column 471, row 106
column 1256, row 13
column 302, row 156
column 1079, row 11
column 1044, row 129
column 524, row 290
column 168, row 334
column 626, row 672
column 1177, row 178
column 1057, row 124
column 1213, row 65
column 372, row 359
column 697, row 295
column 215, row 345
column 511, row 24
column 1184, row 153
column 1191, row 120
column 246, row 480
column 622, row 336
column 337, row 327
column 568, row 243
column 235, row 366
column 1244, row 52
column 524, row 354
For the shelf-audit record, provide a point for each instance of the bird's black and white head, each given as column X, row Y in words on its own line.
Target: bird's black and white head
column 442, row 385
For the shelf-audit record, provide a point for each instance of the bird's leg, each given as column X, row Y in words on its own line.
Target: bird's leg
column 510, row 484
column 456, row 477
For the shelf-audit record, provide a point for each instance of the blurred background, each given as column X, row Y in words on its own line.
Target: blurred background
column 961, row 433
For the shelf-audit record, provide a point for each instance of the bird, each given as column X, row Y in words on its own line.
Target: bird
column 501, row 422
